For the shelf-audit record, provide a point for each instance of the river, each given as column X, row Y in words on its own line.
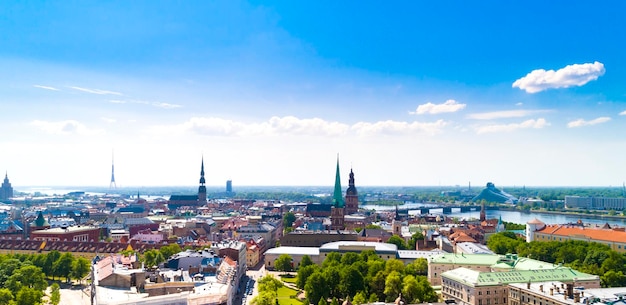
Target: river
column 510, row 216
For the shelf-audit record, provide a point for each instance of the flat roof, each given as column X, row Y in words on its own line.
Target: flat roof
column 415, row 254
column 339, row 246
column 65, row 230
column 310, row 251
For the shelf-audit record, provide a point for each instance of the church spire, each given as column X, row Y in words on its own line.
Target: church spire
column 338, row 193
column 202, row 188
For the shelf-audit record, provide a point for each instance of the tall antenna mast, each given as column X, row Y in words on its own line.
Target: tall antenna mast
column 112, row 185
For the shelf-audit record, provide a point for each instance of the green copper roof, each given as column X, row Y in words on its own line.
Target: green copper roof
column 495, row 261
column 475, row 279
column 338, row 193
column 40, row 221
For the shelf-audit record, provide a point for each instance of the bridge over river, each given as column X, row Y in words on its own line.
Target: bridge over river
column 445, row 209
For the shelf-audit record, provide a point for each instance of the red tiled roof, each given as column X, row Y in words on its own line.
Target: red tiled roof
column 589, row 233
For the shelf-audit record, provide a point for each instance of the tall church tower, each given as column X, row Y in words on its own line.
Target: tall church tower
column 202, row 188
column 396, row 223
column 337, row 211
column 352, row 198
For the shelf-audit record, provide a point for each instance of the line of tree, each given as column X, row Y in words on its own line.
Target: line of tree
column 364, row 277
column 23, row 276
column 589, row 257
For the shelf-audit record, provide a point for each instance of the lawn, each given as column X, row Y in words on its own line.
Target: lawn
column 288, row 278
column 288, row 296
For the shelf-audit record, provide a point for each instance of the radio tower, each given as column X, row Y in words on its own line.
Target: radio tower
column 112, row 185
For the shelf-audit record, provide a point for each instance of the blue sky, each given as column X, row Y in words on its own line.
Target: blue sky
column 443, row 93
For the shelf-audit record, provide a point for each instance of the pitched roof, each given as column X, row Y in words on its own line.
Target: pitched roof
column 576, row 232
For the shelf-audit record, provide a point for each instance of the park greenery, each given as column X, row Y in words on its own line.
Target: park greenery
column 588, row 257
column 363, row 277
column 24, row 277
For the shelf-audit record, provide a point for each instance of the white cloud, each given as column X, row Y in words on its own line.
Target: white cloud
column 140, row 102
column 46, row 87
column 95, row 91
column 504, row 114
column 623, row 112
column 582, row 123
column 165, row 105
column 430, row 108
column 571, row 75
column 290, row 125
column 532, row 123
column 109, row 120
column 66, row 127
column 394, row 127
column 519, row 104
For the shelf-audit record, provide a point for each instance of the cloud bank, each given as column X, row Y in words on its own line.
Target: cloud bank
column 504, row 114
column 532, row 123
column 293, row 126
column 572, row 75
column 430, row 108
column 582, row 123
column 67, row 127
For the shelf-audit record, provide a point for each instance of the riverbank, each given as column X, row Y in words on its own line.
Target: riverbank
column 566, row 213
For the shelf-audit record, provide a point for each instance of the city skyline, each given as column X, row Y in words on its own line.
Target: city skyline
column 269, row 93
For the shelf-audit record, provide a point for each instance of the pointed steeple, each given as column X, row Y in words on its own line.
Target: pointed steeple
column 202, row 181
column 202, row 188
column 338, row 193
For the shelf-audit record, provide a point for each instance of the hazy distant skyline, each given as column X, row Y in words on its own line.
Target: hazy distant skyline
column 523, row 93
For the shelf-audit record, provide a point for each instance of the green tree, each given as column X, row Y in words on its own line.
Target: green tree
column 80, row 268
column 332, row 259
column 63, row 266
column 398, row 241
column 413, row 241
column 55, row 294
column 409, row 288
column 169, row 250
column 153, row 258
column 393, row 285
column 332, row 277
column 373, row 298
column 284, row 263
column 6, row 296
column 48, row 267
column 394, row 265
column 316, row 288
column 373, row 226
column 359, row 298
column 349, row 258
column 352, row 281
column 29, row 276
column 7, row 268
column 264, row 298
column 288, row 219
column 304, row 273
column 418, row 267
column 305, row 261
column 322, row 302
column 28, row 296
column 612, row 278
column 269, row 283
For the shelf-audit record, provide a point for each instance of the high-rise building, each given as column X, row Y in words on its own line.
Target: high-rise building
column 229, row 186
column 6, row 191
column 352, row 198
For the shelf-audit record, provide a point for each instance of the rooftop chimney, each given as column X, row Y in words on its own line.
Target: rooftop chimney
column 576, row 297
column 551, row 291
column 541, row 288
